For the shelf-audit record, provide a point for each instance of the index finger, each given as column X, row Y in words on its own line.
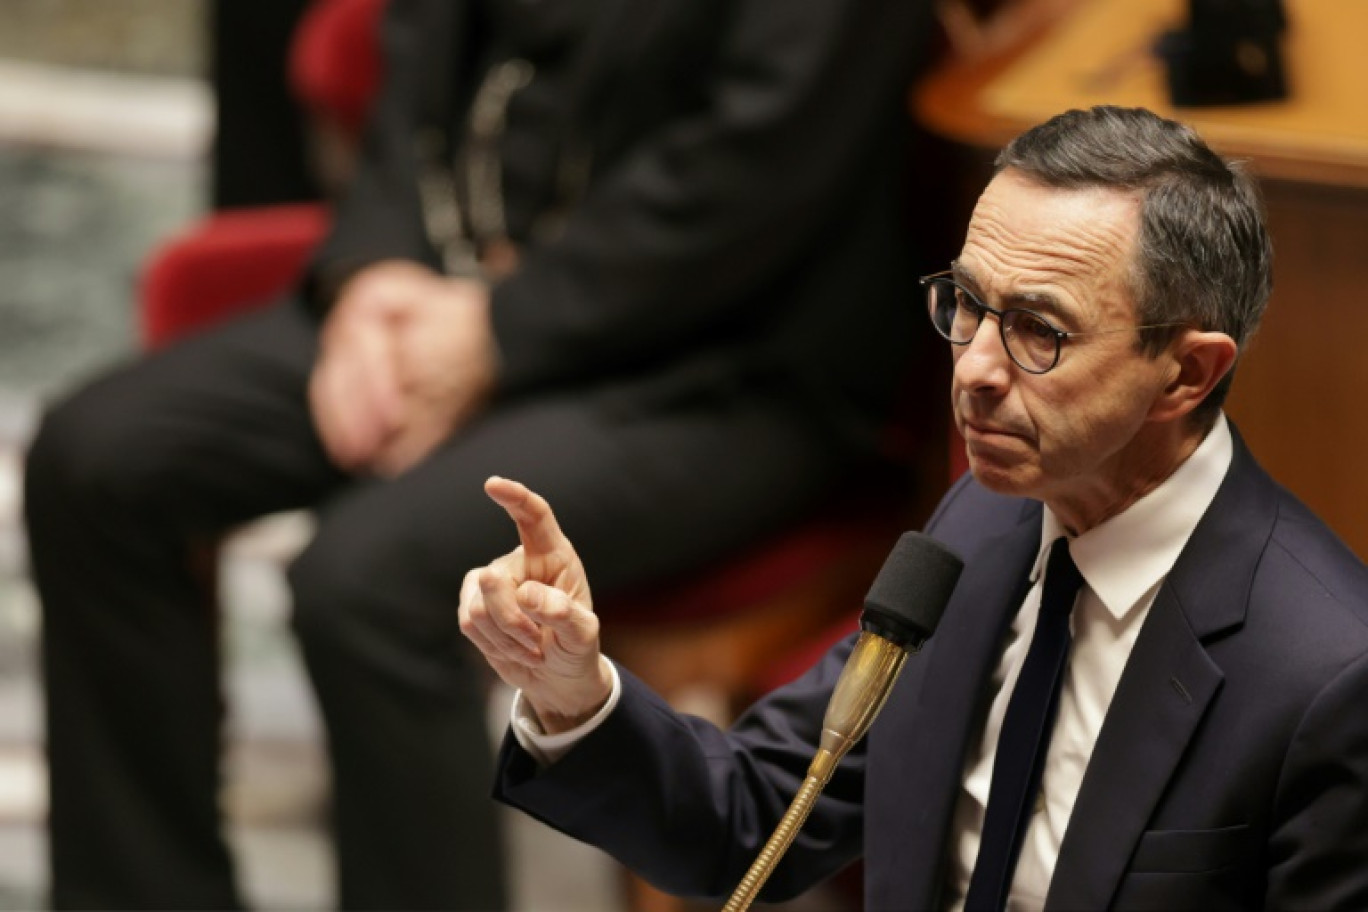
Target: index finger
column 537, row 527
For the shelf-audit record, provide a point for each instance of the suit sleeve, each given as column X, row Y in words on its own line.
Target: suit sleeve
column 1318, row 852
column 688, row 806
column 380, row 215
column 705, row 210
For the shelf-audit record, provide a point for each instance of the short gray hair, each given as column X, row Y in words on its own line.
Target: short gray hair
column 1204, row 257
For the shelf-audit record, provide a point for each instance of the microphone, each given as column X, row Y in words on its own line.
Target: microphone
column 901, row 611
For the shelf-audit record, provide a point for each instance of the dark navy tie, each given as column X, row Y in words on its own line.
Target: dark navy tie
column 1025, row 737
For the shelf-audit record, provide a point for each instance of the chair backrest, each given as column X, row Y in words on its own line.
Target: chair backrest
column 225, row 264
column 335, row 62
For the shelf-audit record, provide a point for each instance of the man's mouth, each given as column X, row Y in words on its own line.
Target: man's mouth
column 984, row 429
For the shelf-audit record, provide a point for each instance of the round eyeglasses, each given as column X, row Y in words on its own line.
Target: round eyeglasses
column 1031, row 341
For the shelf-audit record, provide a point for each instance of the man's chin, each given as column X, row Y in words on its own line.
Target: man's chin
column 1003, row 479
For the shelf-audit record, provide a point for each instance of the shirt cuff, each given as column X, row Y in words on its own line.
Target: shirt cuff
column 547, row 749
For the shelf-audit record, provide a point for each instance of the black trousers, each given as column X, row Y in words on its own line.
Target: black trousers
column 132, row 476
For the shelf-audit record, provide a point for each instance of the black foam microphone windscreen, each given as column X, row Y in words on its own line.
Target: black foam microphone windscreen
column 911, row 591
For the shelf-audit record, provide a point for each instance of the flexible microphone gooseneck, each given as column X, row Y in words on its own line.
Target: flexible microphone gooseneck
column 901, row 612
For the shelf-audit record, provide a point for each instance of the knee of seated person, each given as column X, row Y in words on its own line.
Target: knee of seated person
column 83, row 454
column 346, row 589
column 359, row 618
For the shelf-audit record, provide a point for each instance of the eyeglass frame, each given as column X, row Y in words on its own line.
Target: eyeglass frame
column 1060, row 335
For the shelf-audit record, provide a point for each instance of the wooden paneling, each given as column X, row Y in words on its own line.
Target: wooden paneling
column 1299, row 394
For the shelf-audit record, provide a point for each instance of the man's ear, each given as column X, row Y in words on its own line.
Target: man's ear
column 1199, row 359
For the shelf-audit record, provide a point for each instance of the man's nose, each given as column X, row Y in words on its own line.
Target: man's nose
column 984, row 362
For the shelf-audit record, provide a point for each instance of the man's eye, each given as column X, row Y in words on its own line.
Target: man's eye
column 1034, row 327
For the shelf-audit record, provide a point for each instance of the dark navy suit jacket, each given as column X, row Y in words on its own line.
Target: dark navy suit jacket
column 1231, row 771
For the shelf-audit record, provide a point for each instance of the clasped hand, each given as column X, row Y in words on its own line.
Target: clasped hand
column 530, row 614
column 407, row 356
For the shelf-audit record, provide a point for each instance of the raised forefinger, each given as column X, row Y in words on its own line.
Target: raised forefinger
column 537, row 527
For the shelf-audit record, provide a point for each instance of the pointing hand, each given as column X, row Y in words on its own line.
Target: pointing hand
column 531, row 615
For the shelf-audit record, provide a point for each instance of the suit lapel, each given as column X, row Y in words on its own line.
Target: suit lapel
column 1168, row 683
column 1166, row 688
column 917, row 756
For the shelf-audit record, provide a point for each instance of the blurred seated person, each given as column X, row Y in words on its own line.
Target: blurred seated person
column 1147, row 689
column 651, row 258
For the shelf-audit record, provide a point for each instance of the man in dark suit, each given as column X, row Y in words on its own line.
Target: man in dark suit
column 650, row 256
column 1200, row 741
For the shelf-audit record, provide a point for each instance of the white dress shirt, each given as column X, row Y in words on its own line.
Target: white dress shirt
column 1123, row 562
column 547, row 749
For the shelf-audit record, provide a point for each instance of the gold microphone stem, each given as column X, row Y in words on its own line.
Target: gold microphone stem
column 859, row 695
column 778, row 844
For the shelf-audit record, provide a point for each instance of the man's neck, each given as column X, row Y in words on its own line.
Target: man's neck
column 1151, row 457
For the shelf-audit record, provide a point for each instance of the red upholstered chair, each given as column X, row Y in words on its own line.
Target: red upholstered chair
column 223, row 264
column 334, row 68
column 238, row 258
column 335, row 60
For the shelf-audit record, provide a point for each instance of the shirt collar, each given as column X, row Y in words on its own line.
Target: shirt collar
column 1126, row 556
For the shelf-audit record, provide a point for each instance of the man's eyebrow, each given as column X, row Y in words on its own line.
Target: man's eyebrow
column 962, row 274
column 1042, row 302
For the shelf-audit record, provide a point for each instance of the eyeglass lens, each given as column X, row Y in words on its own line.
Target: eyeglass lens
column 1030, row 341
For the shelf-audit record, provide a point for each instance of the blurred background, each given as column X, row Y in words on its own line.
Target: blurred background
column 106, row 116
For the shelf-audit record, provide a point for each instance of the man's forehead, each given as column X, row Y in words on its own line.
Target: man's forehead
column 1022, row 227
column 1028, row 198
